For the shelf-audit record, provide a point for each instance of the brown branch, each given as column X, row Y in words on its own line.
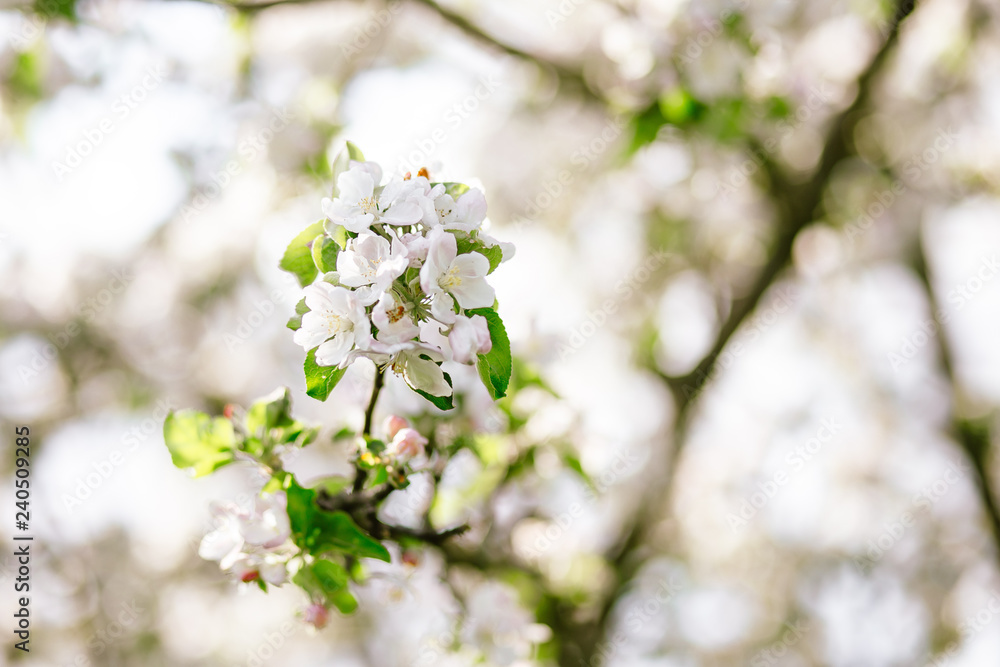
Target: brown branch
column 972, row 436
column 796, row 205
column 565, row 74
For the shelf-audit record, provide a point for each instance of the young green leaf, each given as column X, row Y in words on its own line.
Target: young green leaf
column 298, row 258
column 324, row 253
column 270, row 412
column 295, row 321
column 495, row 366
column 198, row 441
column 320, row 380
column 337, row 531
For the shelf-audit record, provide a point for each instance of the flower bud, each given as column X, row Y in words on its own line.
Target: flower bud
column 407, row 443
column 317, row 616
column 393, row 425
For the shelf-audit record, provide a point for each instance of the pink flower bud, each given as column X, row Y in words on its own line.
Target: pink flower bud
column 393, row 425
column 407, row 443
column 317, row 616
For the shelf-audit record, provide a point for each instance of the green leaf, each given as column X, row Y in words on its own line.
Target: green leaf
column 324, row 253
column 320, row 380
column 295, row 321
column 338, row 233
column 680, row 108
column 495, row 366
column 338, row 531
column 270, row 412
column 494, row 254
column 440, row 402
column 327, row 580
column 455, row 190
column 54, row 8
column 298, row 258
column 354, row 152
column 301, row 510
column 199, row 441
column 344, row 601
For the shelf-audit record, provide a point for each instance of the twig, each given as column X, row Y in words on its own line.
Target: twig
column 972, row 437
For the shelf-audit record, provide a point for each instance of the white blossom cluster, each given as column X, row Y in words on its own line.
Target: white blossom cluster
column 415, row 261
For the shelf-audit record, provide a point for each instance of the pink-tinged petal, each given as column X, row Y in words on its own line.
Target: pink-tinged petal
column 474, row 293
column 470, row 209
column 334, row 351
column 407, row 443
column 393, row 425
column 472, row 265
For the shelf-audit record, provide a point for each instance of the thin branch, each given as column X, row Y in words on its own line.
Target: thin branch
column 565, row 74
column 972, row 437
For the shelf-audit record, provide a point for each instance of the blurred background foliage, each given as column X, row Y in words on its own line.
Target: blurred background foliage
column 753, row 311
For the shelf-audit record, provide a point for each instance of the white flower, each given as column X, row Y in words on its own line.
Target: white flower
column 395, row 325
column 507, row 249
column 420, row 373
column 466, row 214
column 414, row 192
column 268, row 525
column 358, row 205
column 371, row 263
column 416, row 248
column 252, row 543
column 469, row 336
column 336, row 322
column 461, row 276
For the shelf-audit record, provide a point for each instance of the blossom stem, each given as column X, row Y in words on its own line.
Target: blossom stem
column 376, row 389
column 361, row 474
